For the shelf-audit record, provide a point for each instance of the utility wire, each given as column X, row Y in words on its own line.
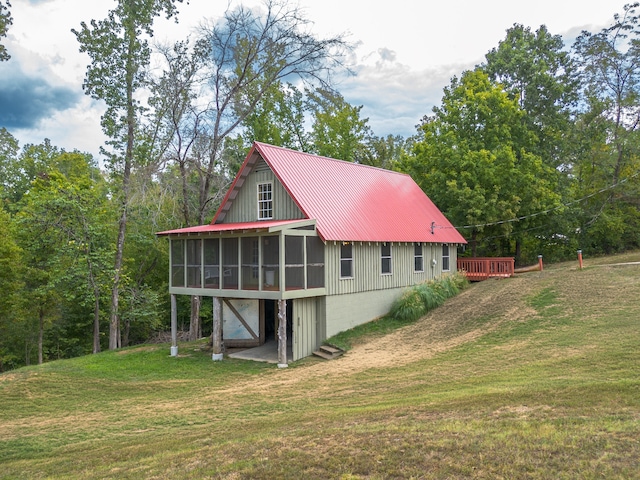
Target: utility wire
column 544, row 212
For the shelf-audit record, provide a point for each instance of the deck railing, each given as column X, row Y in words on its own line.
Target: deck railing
column 477, row 268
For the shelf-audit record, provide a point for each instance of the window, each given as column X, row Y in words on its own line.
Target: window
column 418, row 259
column 315, row 262
column 445, row 258
column 385, row 255
column 212, row 263
column 265, row 201
column 194, row 263
column 177, row 263
column 346, row 260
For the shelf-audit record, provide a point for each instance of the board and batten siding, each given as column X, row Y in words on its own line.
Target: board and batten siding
column 305, row 328
column 367, row 274
column 245, row 206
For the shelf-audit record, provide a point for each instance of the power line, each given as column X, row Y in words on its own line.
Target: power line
column 544, row 212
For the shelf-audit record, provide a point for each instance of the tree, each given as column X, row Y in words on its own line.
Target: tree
column 242, row 57
column 337, row 130
column 385, row 152
column 609, row 138
column 469, row 162
column 11, row 284
column 64, row 232
column 535, row 69
column 278, row 118
column 5, row 21
column 119, row 55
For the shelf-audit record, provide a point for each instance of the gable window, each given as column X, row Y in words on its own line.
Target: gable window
column 346, row 260
column 418, row 259
column 385, row 255
column 445, row 258
column 265, row 201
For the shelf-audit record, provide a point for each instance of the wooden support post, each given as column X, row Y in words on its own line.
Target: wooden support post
column 540, row 262
column 282, row 334
column 580, row 258
column 217, row 330
column 174, row 326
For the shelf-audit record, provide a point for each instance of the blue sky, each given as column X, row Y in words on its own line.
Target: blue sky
column 407, row 51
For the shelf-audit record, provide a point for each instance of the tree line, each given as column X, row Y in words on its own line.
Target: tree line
column 535, row 151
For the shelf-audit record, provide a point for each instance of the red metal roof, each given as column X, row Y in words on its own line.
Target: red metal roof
column 352, row 202
column 231, row 227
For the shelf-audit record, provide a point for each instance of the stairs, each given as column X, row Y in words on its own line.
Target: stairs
column 328, row 352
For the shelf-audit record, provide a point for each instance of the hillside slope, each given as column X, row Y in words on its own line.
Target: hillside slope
column 536, row 376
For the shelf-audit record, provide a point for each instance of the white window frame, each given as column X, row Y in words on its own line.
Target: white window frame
column 386, row 257
column 447, row 264
column 349, row 260
column 416, row 257
column 265, row 205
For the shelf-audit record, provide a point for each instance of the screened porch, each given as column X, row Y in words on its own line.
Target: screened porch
column 249, row 265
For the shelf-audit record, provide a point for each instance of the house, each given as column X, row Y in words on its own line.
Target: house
column 304, row 247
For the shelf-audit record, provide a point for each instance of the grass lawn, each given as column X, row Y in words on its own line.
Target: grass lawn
column 536, row 377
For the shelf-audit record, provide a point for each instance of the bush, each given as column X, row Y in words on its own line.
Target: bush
column 420, row 299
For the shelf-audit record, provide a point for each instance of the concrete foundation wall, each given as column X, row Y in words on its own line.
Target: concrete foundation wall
column 343, row 312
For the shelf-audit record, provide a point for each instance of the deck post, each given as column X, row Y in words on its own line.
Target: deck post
column 174, row 326
column 282, row 334
column 216, row 335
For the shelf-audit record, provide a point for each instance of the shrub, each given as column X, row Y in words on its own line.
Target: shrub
column 418, row 300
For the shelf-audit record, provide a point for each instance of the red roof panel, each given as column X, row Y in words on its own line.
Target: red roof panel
column 353, row 202
column 230, row 227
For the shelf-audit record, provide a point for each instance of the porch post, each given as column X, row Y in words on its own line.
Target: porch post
column 217, row 331
column 174, row 326
column 282, row 334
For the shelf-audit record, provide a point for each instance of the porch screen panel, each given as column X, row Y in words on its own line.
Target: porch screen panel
column 212, row 263
column 194, row 263
column 270, row 263
column 177, row 263
column 250, row 273
column 315, row 262
column 294, row 262
column 230, row 263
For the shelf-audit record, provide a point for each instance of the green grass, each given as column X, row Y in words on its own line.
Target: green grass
column 533, row 377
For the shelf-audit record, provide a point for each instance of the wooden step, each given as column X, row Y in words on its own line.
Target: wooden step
column 331, row 350
column 328, row 352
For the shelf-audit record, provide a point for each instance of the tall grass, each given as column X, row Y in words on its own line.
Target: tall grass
column 420, row 299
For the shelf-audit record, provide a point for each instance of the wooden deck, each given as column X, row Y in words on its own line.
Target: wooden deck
column 477, row 269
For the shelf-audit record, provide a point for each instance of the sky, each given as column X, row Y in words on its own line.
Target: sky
column 406, row 52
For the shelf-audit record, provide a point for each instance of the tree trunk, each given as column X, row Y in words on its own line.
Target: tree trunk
column 518, row 251
column 474, row 243
column 125, row 335
column 194, row 324
column 114, row 324
column 40, row 335
column 96, row 322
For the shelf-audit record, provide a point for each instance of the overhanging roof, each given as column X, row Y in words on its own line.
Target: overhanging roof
column 260, row 226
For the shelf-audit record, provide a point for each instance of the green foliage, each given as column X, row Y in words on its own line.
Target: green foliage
column 535, row 69
column 337, row 131
column 473, row 164
column 5, row 22
column 607, row 166
column 420, row 299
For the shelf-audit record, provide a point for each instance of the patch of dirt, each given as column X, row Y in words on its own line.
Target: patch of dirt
column 458, row 321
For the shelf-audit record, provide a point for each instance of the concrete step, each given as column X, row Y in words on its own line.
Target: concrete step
column 328, row 352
